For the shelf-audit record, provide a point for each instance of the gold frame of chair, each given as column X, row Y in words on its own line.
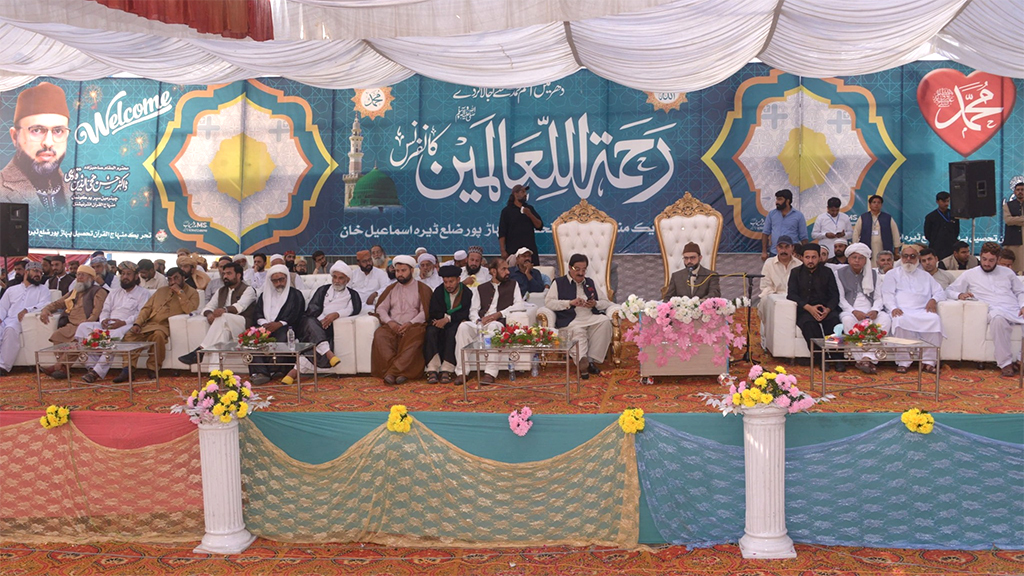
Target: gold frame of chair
column 686, row 206
column 582, row 213
column 587, row 212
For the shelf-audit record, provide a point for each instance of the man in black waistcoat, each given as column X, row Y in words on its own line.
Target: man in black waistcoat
column 813, row 287
column 579, row 308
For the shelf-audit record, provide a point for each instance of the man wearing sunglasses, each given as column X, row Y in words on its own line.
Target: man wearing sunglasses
column 40, row 135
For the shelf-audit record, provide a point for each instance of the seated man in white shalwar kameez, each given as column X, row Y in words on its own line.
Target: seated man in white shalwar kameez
column 227, row 314
column 120, row 309
column 31, row 295
column 911, row 297
column 496, row 304
column 1000, row 288
column 579, row 307
column 860, row 298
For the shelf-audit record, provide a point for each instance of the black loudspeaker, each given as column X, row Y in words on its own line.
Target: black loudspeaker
column 13, row 229
column 972, row 188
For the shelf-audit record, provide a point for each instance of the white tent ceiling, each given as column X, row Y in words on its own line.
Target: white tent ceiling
column 657, row 45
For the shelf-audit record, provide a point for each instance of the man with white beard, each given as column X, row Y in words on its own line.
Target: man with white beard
column 328, row 303
column 29, row 296
column 119, row 312
column 911, row 297
column 279, row 307
column 860, row 298
column 998, row 287
column 428, row 270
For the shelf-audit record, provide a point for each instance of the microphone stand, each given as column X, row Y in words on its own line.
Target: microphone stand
column 748, row 287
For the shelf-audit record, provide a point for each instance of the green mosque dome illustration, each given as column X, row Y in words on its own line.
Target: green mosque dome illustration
column 375, row 188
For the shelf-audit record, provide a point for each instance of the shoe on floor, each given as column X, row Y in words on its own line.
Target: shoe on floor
column 432, row 378
column 390, row 380
column 593, row 369
column 259, row 379
column 928, row 369
column 1008, row 371
column 866, row 367
column 58, row 374
column 401, row 380
column 486, row 379
column 190, row 358
column 839, row 367
column 90, row 376
column 803, row 362
column 901, row 369
column 447, row 377
column 122, row 377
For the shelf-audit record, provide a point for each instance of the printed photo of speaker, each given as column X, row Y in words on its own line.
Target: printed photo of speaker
column 972, row 188
column 13, row 229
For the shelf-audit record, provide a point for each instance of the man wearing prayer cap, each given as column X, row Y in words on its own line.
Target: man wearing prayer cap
column 289, row 259
column 31, row 295
column 40, row 137
column 103, row 272
column 860, row 298
column 328, row 303
column 368, row 280
column 228, row 311
column 450, row 306
column 459, row 258
column 278, row 308
column 187, row 265
column 911, row 297
column 839, row 252
column 294, row 279
column 419, row 251
column 474, row 273
column 397, row 353
column 60, row 279
column 83, row 304
column 694, row 280
column 153, row 322
column 120, row 310
column 242, row 261
column 428, row 270
column 160, row 265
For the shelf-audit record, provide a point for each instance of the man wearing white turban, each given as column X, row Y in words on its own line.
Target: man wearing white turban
column 860, row 298
column 278, row 308
column 397, row 353
column 328, row 303
column 295, row 280
column 428, row 271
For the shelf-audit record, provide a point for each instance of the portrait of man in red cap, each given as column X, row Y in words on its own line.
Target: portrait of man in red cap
column 40, row 135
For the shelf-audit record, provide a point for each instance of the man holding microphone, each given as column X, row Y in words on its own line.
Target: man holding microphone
column 517, row 225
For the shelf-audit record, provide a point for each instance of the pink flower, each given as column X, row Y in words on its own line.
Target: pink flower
column 208, row 403
column 783, row 401
column 526, row 412
column 191, row 402
column 755, row 371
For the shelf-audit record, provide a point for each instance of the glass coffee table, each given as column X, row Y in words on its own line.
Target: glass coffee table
column 272, row 351
column 481, row 354
column 886, row 349
column 70, row 353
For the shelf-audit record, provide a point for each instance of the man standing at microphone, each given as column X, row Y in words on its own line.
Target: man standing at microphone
column 694, row 280
column 517, row 225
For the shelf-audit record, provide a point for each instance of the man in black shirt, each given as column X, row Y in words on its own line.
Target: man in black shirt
column 813, row 287
column 940, row 228
column 517, row 224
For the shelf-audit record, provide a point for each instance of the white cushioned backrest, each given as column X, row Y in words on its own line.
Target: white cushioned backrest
column 315, row 280
column 677, row 231
column 592, row 239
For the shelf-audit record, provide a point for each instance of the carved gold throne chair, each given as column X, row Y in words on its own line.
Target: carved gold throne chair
column 687, row 220
column 586, row 230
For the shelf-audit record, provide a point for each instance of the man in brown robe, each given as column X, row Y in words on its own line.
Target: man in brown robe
column 152, row 325
column 397, row 353
column 83, row 304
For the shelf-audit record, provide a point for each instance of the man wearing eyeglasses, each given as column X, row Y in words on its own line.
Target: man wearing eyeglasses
column 40, row 135
column 579, row 307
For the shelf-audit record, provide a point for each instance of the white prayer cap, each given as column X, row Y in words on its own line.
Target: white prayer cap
column 858, row 248
column 423, row 257
column 460, row 255
column 420, row 250
column 842, row 241
column 239, row 257
column 276, row 257
column 341, row 267
column 403, row 259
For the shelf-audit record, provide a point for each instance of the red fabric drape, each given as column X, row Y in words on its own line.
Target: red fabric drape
column 229, row 18
column 120, row 430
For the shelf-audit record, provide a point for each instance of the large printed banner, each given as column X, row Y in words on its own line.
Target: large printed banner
column 270, row 164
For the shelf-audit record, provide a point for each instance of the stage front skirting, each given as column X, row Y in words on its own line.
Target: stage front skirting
column 465, row 479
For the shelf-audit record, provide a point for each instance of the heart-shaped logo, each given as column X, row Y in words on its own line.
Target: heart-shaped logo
column 965, row 111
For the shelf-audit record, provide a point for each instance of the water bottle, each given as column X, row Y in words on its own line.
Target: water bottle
column 291, row 338
column 535, row 368
column 486, row 338
column 511, row 371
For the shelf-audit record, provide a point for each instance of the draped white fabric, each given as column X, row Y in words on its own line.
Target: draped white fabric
column 657, row 45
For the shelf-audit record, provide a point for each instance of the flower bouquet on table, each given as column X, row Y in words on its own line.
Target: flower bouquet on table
column 224, row 397
column 99, row 339
column 255, row 338
column 864, row 331
column 519, row 335
column 682, row 324
column 762, row 388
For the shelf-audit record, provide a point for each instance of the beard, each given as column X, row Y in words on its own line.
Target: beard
column 83, row 286
column 908, row 267
column 987, row 270
column 340, row 288
column 129, row 285
column 48, row 171
column 35, row 281
column 472, row 270
column 378, row 262
column 427, row 275
column 405, row 280
column 279, row 290
column 366, row 269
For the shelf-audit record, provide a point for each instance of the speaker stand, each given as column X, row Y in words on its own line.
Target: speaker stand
column 972, row 235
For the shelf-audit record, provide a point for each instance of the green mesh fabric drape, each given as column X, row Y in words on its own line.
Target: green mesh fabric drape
column 418, row 489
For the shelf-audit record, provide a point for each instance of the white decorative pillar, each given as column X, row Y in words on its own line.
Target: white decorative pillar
column 764, row 453
column 222, row 490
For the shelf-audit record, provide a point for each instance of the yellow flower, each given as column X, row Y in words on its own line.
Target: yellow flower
column 44, row 421
column 925, row 428
column 225, row 418
column 631, row 420
column 63, row 412
column 780, row 369
column 227, row 373
column 748, row 402
column 218, row 409
column 755, row 394
column 761, row 382
column 214, row 374
column 51, row 409
column 52, row 419
column 736, row 399
column 195, row 393
column 246, row 392
column 243, row 409
column 225, row 400
column 766, row 399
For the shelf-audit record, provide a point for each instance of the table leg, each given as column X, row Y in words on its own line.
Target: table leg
column 920, row 367
column 465, row 377
column 938, row 369
column 811, row 363
column 316, row 371
column 39, row 379
column 156, row 372
column 131, row 376
column 298, row 376
column 568, row 383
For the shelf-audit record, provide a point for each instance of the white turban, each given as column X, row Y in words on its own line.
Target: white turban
column 403, row 259
column 424, row 257
column 341, row 267
column 276, row 257
column 272, row 301
column 866, row 284
column 239, row 257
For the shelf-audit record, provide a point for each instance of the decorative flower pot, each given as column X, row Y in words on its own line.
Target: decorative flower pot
column 764, row 453
column 222, row 490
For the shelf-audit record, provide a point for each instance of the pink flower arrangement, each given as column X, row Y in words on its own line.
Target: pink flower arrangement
column 681, row 325
column 774, row 388
column 519, row 421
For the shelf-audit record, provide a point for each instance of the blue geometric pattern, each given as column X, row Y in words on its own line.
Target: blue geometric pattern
column 893, row 488
column 693, row 486
column 885, row 488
